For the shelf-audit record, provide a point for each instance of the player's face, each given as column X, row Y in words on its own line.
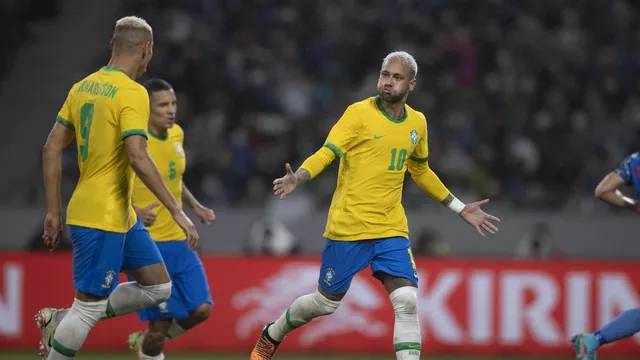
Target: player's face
column 395, row 81
column 163, row 108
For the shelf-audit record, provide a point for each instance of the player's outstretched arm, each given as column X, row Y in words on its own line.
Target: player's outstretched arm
column 206, row 215
column 147, row 171
column 59, row 138
column 608, row 191
column 483, row 222
column 285, row 185
column 472, row 213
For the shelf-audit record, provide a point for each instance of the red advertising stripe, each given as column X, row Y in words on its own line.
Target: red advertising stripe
column 469, row 306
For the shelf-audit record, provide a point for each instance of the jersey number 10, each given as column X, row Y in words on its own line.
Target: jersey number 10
column 86, row 118
column 401, row 157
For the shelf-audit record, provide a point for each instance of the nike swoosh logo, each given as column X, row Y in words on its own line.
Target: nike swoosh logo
column 376, row 137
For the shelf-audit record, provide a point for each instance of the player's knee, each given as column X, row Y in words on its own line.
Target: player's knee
column 405, row 300
column 158, row 293
column 89, row 311
column 323, row 305
column 202, row 312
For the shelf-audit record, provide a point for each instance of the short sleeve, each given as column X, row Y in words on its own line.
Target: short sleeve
column 421, row 151
column 344, row 134
column 625, row 170
column 134, row 113
column 64, row 115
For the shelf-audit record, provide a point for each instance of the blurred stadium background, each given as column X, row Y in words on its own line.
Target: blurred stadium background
column 530, row 103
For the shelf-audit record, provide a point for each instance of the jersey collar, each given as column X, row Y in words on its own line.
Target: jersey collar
column 388, row 116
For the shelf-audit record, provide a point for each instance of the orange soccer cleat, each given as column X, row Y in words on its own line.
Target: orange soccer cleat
column 265, row 347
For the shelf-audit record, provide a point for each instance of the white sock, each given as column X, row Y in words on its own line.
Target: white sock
column 406, row 328
column 300, row 312
column 74, row 328
column 142, row 356
column 131, row 296
column 175, row 330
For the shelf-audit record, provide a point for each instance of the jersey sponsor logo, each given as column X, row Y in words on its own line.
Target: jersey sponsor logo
column 108, row 279
column 266, row 301
column 377, row 137
column 414, row 137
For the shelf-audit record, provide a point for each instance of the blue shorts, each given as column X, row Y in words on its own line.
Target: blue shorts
column 190, row 288
column 342, row 260
column 99, row 256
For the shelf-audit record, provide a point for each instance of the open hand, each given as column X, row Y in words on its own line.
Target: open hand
column 285, row 185
column 476, row 217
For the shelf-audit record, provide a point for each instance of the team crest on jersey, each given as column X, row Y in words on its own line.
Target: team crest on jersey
column 328, row 276
column 108, row 279
column 163, row 307
column 179, row 150
column 414, row 137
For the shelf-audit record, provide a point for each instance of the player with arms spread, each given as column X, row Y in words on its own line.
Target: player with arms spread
column 628, row 322
column 107, row 113
column 190, row 301
column 377, row 140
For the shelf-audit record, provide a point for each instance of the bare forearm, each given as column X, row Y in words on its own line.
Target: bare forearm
column 302, row 176
column 617, row 198
column 148, row 173
column 608, row 191
column 51, row 171
column 188, row 198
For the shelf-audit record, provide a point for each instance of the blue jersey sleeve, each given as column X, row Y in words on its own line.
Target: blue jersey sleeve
column 624, row 170
column 629, row 170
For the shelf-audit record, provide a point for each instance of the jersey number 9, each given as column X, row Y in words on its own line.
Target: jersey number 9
column 86, row 118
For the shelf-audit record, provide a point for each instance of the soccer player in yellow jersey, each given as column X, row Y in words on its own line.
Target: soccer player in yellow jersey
column 107, row 114
column 377, row 140
column 190, row 301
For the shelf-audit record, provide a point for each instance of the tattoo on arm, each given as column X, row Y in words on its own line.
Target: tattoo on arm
column 302, row 176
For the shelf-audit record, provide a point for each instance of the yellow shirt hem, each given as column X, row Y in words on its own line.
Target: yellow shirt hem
column 365, row 236
column 97, row 226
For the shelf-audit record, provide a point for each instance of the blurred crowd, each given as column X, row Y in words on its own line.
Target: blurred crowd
column 530, row 102
column 15, row 16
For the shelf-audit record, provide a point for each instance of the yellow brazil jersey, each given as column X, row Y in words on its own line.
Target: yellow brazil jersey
column 169, row 156
column 103, row 109
column 375, row 151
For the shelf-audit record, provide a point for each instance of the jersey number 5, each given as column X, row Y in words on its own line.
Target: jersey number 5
column 401, row 157
column 86, row 118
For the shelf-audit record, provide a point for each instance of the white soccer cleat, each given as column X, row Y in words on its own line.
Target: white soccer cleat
column 47, row 320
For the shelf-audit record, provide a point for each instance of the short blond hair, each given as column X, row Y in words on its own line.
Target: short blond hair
column 133, row 23
column 406, row 59
column 130, row 32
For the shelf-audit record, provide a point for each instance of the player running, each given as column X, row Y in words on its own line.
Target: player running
column 107, row 114
column 628, row 323
column 190, row 301
column 377, row 140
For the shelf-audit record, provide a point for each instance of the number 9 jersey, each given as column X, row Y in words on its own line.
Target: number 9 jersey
column 102, row 110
